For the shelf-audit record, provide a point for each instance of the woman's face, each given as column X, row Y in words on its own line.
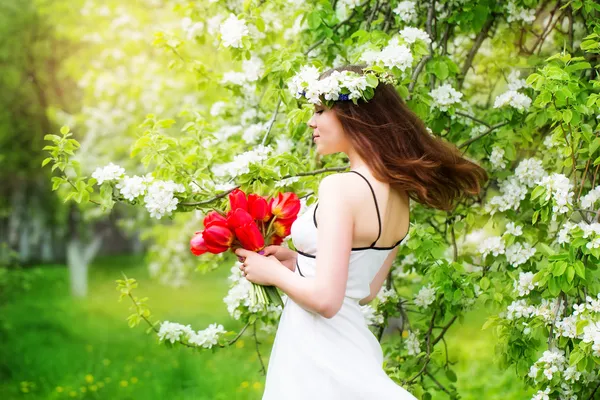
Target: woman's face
column 328, row 134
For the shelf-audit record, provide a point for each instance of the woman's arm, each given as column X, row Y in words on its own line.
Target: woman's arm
column 325, row 293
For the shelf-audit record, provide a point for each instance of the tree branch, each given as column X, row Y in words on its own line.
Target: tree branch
column 490, row 130
column 476, row 45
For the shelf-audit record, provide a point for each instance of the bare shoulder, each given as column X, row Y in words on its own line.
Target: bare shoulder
column 341, row 185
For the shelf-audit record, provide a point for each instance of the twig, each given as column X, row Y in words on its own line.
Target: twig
column 271, row 122
column 436, row 382
column 264, row 370
column 429, row 346
column 482, row 122
column 594, row 392
column 476, row 45
column 224, row 194
column 443, row 332
column 490, row 130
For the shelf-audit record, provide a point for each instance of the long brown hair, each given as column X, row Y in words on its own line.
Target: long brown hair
column 396, row 145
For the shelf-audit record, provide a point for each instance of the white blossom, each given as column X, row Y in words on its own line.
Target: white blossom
column 191, row 28
column 513, row 229
column 514, row 82
column 542, row 394
column 551, row 362
column 524, row 284
column 425, row 297
column 530, row 171
column 445, row 96
column 173, row 332
column 412, row 343
column 516, row 13
column 386, row 294
column 307, row 77
column 133, row 187
column 208, row 337
column 109, row 173
column 371, row 316
column 514, row 99
column 567, row 327
column 233, row 30
column 591, row 334
column 492, row 244
column 241, row 163
column 406, row 10
column 517, row 253
column 519, row 309
column 590, row 198
column 217, row 108
column 253, row 132
column 393, row 55
column 411, row 35
column 160, row 199
column 559, row 188
column 513, row 192
column 593, row 305
column 497, row 158
column 564, row 235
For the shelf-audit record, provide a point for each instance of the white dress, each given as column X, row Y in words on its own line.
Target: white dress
column 315, row 358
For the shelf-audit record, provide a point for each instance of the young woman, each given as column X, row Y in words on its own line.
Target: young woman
column 346, row 243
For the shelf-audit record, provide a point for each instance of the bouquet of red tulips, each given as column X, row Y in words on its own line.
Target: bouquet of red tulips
column 252, row 222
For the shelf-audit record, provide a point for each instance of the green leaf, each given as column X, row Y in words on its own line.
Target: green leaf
column 553, row 286
column 577, row 66
column 570, row 273
column 576, row 356
column 559, row 268
column 46, row 161
column 594, row 145
column 451, row 375
column 64, row 130
column 372, row 81
column 579, row 268
column 567, row 116
column 484, row 283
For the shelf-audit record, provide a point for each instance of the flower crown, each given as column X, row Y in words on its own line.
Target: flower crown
column 339, row 86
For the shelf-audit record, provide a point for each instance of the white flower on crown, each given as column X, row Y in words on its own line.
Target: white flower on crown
column 307, row 83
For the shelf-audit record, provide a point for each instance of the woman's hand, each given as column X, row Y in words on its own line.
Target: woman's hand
column 259, row 269
column 286, row 256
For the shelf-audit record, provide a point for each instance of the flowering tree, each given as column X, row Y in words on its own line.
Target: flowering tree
column 513, row 84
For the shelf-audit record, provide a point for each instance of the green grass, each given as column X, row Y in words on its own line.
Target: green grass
column 55, row 342
column 56, row 347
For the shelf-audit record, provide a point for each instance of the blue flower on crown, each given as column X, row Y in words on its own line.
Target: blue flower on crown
column 344, row 97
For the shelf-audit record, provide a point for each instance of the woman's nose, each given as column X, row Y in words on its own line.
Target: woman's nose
column 311, row 123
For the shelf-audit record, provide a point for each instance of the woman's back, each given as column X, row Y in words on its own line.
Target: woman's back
column 374, row 202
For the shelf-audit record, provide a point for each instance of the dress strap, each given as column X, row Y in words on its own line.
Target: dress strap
column 376, row 205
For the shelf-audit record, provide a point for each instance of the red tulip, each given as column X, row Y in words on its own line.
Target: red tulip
column 198, row 245
column 285, row 205
column 250, row 237
column 276, row 240
column 283, row 227
column 218, row 238
column 213, row 217
column 239, row 217
column 258, row 207
column 237, row 199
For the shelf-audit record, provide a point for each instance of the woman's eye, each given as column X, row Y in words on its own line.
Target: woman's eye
column 319, row 112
